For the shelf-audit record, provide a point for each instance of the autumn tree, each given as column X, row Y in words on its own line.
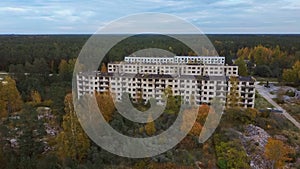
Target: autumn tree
column 292, row 75
column 196, row 129
column 139, row 97
column 63, row 67
column 103, row 68
column 36, row 97
column 261, row 55
column 252, row 113
column 277, row 152
column 10, row 98
column 150, row 126
column 3, row 110
column 233, row 97
column 72, row 142
column 202, row 113
column 187, row 118
column 106, row 104
column 269, row 61
column 244, row 52
column 188, row 143
column 66, row 69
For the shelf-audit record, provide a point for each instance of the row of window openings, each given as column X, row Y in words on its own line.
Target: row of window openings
column 175, row 67
column 187, row 92
column 174, row 85
column 177, row 58
column 185, row 68
column 150, row 90
column 158, row 59
column 157, row 96
column 184, row 72
column 171, row 81
column 199, row 59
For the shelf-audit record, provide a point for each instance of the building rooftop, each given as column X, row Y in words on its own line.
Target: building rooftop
column 246, row 78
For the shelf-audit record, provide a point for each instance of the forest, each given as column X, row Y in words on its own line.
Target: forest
column 37, row 70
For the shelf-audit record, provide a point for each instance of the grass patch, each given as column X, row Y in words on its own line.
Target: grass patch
column 265, row 79
column 261, row 103
column 293, row 109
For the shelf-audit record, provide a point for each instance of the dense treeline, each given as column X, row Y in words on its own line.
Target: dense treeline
column 52, row 48
column 22, row 49
column 228, row 45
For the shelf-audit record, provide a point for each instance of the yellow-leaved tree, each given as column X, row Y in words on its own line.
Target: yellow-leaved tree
column 277, row 152
column 292, row 75
column 36, row 97
column 233, row 97
column 103, row 68
column 150, row 126
column 187, row 118
column 106, row 104
column 10, row 98
column 72, row 142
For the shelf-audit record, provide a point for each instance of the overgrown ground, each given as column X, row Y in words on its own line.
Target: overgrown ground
column 261, row 103
column 293, row 109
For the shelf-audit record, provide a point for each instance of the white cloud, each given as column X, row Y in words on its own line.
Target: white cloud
column 13, row 9
column 231, row 3
column 66, row 15
column 291, row 6
column 46, row 18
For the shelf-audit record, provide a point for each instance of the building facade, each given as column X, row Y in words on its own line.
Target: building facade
column 193, row 81
column 219, row 60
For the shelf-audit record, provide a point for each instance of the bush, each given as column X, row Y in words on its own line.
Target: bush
column 290, row 93
column 222, row 164
column 240, row 116
column 231, row 155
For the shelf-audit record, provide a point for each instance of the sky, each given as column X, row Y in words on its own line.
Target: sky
column 211, row 16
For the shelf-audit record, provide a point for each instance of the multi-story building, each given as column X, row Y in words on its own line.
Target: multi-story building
column 196, row 78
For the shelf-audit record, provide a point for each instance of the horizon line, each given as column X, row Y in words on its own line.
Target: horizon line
column 210, row 33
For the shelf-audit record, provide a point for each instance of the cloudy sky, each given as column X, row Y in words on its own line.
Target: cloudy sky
column 211, row 16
